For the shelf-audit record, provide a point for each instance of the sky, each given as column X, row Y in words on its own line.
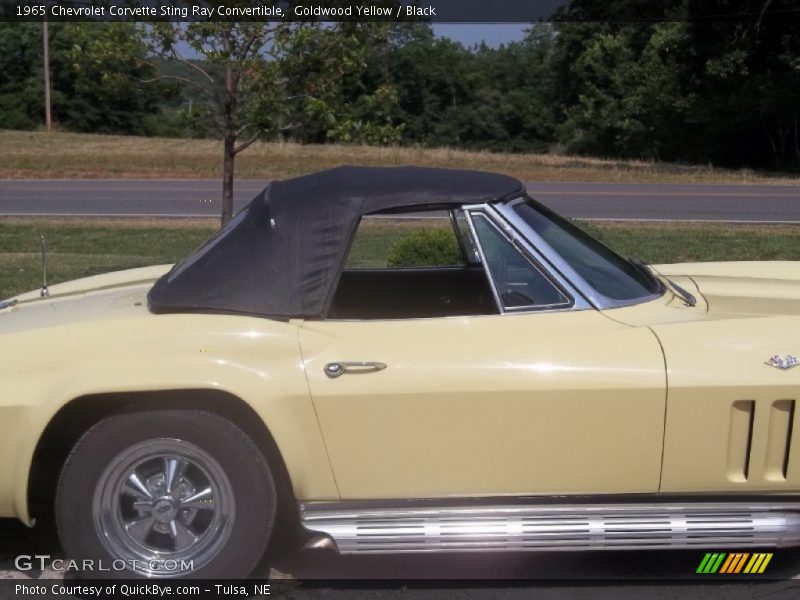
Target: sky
column 493, row 34
column 468, row 34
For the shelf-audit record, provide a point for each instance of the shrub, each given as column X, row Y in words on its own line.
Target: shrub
column 425, row 248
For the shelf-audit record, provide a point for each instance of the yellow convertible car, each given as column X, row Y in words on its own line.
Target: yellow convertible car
column 537, row 392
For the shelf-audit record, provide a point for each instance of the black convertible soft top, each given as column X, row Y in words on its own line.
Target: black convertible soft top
column 281, row 255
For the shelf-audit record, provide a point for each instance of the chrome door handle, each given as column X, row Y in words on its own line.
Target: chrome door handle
column 335, row 369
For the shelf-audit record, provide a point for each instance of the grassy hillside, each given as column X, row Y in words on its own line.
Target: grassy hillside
column 65, row 155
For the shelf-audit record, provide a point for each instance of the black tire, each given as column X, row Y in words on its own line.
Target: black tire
column 235, row 538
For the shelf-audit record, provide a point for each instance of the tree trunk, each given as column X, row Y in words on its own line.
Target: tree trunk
column 778, row 145
column 227, row 177
column 229, row 151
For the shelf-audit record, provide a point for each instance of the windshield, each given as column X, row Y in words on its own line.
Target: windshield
column 602, row 268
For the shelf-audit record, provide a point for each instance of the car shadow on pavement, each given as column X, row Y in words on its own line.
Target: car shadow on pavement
column 17, row 540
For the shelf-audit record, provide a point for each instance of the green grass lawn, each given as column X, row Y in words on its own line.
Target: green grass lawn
column 82, row 247
column 79, row 248
column 697, row 242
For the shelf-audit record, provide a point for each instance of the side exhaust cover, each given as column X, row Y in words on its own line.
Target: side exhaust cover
column 553, row 527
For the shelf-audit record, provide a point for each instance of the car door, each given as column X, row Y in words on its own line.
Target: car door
column 543, row 398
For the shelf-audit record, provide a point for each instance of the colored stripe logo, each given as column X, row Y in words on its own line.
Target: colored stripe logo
column 734, row 563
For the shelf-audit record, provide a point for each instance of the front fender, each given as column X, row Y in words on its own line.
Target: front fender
column 272, row 383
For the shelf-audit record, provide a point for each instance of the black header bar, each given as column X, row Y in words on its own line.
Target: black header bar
column 434, row 11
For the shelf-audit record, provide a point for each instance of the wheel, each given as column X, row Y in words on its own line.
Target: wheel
column 173, row 493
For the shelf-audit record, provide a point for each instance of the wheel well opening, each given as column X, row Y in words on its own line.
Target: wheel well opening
column 76, row 417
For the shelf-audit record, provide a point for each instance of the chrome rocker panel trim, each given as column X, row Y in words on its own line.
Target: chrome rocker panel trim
column 555, row 527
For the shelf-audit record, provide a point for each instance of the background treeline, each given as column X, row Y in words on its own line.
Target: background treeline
column 694, row 90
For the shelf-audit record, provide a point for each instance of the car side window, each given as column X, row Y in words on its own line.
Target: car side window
column 518, row 283
column 409, row 266
column 404, row 241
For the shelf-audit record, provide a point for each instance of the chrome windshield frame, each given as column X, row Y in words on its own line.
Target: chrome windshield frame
column 558, row 264
column 532, row 255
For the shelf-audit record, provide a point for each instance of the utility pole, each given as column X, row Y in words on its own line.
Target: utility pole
column 48, row 118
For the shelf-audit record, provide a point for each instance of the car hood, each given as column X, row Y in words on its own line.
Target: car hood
column 117, row 294
column 754, row 288
column 94, row 283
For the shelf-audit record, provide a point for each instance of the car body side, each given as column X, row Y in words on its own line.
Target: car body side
column 78, row 343
column 96, row 336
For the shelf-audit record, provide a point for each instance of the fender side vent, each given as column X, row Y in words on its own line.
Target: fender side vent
column 788, row 438
column 779, row 439
column 740, row 439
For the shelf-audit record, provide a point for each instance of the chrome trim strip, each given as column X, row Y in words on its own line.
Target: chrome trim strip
column 507, row 234
column 531, row 254
column 544, row 260
column 555, row 527
column 484, row 264
column 453, row 212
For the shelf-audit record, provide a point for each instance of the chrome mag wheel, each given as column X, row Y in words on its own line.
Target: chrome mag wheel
column 165, row 493
column 164, row 506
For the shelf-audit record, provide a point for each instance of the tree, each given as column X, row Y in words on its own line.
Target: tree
column 253, row 75
column 101, row 67
column 749, row 85
column 335, row 100
column 521, row 75
column 21, row 94
column 235, row 57
column 434, row 81
column 96, row 68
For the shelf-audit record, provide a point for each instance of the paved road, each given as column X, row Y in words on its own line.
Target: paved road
column 681, row 202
